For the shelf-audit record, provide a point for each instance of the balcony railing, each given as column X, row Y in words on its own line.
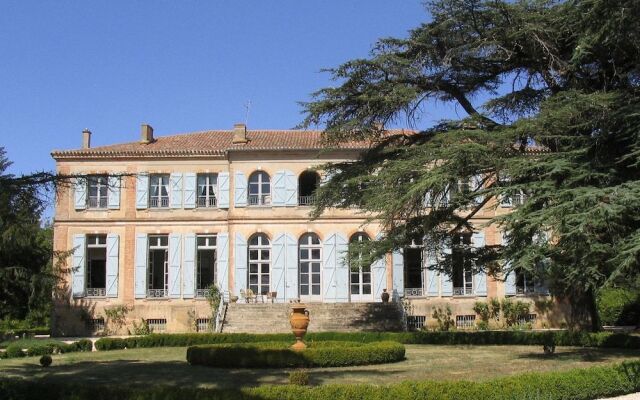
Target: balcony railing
column 259, row 200
column 306, row 200
column 207, row 202
column 202, row 293
column 157, row 293
column 413, row 292
column 159, row 202
column 96, row 292
column 462, row 291
column 97, row 202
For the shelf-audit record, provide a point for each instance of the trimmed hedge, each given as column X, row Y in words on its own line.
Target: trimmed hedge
column 578, row 384
column 279, row 355
column 560, row 338
column 46, row 348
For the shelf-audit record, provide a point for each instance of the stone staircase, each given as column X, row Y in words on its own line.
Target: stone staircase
column 324, row 317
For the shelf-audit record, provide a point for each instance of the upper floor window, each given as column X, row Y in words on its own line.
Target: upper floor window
column 259, row 189
column 206, row 190
column 159, row 190
column 513, row 200
column 461, row 263
column 98, row 185
column 96, row 265
column 307, row 184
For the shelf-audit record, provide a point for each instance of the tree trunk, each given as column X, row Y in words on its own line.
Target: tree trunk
column 592, row 308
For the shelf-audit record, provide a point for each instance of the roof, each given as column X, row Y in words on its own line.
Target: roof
column 213, row 143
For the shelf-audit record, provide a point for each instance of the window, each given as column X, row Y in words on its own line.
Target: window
column 416, row 322
column 310, row 261
column 524, row 282
column 259, row 189
column 513, row 200
column 97, row 191
column 157, row 325
column 307, row 184
column 206, row 190
column 96, row 265
column 465, row 321
column 203, row 325
column 413, row 265
column 206, row 258
column 462, row 268
column 158, row 282
column 95, row 325
column 159, row 190
column 360, row 273
column 259, row 264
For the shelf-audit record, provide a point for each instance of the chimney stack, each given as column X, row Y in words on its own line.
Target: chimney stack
column 240, row 134
column 146, row 134
column 86, row 139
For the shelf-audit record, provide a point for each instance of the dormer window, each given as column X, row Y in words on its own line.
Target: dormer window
column 97, row 191
column 259, row 189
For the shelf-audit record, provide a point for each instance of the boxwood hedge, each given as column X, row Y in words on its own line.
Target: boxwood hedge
column 279, row 355
column 18, row 349
column 578, row 384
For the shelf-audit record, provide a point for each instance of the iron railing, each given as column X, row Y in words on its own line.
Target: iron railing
column 416, row 322
column 97, row 202
column 207, row 201
column 306, row 200
column 157, row 293
column 96, row 292
column 463, row 291
column 201, row 293
column 259, row 200
column 413, row 292
column 158, row 202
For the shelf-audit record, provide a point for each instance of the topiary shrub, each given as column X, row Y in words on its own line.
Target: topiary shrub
column 14, row 350
column 45, row 360
column 41, row 350
column 110, row 344
column 299, row 377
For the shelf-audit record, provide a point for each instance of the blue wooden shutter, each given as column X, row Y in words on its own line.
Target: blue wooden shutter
column 379, row 273
column 342, row 269
column 433, row 276
column 142, row 191
column 397, row 261
column 175, row 185
column 291, row 186
column 113, row 193
column 189, row 266
column 223, row 190
column 240, row 189
column 141, row 261
column 174, row 265
column 189, row 195
column 113, row 250
column 329, row 268
column 240, row 264
column 279, row 264
column 509, row 282
column 480, row 278
column 279, row 193
column 291, row 274
column 222, row 248
column 79, row 265
column 447, row 284
column 80, row 193
column 476, row 184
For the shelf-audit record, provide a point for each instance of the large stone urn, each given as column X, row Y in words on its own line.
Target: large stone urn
column 299, row 319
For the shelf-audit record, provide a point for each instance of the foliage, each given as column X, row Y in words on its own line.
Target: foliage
column 213, row 297
column 514, row 312
column 116, row 317
column 45, row 360
column 551, row 90
column 299, row 377
column 279, row 354
column 142, row 329
column 577, row 384
column 443, row 318
column 14, row 351
column 111, row 344
column 619, row 306
column 33, row 347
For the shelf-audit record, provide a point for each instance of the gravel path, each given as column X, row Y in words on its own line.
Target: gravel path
column 633, row 396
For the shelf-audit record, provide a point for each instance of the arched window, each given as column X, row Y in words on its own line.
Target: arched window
column 259, row 263
column 259, row 189
column 360, row 276
column 310, row 261
column 308, row 182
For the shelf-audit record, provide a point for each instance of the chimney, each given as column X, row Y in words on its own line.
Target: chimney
column 86, row 139
column 240, row 134
column 146, row 134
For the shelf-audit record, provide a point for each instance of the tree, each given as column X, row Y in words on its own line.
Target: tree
column 551, row 93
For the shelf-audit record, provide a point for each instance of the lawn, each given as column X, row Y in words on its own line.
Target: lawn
column 168, row 366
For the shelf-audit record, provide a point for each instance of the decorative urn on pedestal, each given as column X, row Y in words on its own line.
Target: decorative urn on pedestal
column 299, row 319
column 384, row 296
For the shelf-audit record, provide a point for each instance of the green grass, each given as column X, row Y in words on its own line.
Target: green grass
column 424, row 362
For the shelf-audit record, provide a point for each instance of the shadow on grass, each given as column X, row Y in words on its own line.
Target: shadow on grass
column 583, row 354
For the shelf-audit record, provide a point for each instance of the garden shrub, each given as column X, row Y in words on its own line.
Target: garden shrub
column 299, row 377
column 514, row 311
column 41, row 350
column 443, row 318
column 45, row 360
column 617, row 306
column 14, row 351
column 279, row 355
column 110, row 344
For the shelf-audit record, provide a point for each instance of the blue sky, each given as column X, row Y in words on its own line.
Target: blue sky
column 180, row 66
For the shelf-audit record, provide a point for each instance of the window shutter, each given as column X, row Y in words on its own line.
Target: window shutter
column 240, row 265
column 174, row 265
column 510, row 283
column 222, row 249
column 175, row 183
column 279, row 189
column 291, row 274
column 113, row 193
column 433, row 276
column 397, row 260
column 476, row 184
column 291, row 195
column 223, row 190
column 80, row 193
column 480, row 278
column 142, row 191
column 141, row 261
column 447, row 284
column 342, row 269
column 189, row 193
column 329, row 268
column 279, row 264
column 379, row 272
column 79, row 266
column 188, row 265
column 240, row 190
column 113, row 250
